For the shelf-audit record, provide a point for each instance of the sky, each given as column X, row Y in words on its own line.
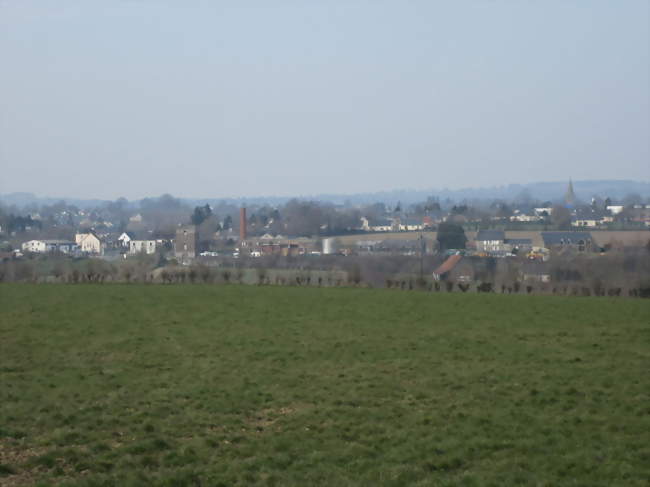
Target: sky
column 102, row 99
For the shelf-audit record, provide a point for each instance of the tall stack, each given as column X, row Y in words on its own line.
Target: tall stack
column 242, row 224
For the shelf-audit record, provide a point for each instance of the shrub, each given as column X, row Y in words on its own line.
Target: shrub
column 484, row 287
column 193, row 274
column 354, row 275
column 261, row 275
column 463, row 287
column 205, row 274
column 24, row 271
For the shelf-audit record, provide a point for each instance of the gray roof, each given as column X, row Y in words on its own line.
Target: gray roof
column 411, row 221
column 520, row 241
column 58, row 242
column 484, row 235
column 379, row 222
column 140, row 235
column 561, row 238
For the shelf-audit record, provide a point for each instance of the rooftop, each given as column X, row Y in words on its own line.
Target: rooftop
column 486, row 235
column 520, row 241
column 58, row 242
column 556, row 238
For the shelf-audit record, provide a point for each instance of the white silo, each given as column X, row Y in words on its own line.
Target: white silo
column 328, row 246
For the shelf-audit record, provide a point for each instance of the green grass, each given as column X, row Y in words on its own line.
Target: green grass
column 240, row 385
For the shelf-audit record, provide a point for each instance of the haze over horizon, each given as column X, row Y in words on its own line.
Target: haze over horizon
column 216, row 195
column 140, row 98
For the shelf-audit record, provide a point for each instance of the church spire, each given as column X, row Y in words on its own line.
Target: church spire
column 570, row 196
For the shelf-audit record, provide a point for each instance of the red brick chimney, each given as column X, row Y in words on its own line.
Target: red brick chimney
column 242, row 224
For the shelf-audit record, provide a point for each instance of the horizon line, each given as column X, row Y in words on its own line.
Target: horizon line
column 331, row 195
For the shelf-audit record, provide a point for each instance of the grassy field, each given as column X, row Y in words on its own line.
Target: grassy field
column 131, row 385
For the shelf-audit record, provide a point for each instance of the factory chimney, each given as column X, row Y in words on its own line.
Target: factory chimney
column 242, row 225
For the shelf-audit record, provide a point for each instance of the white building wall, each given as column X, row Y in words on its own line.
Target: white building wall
column 146, row 246
column 89, row 243
column 34, row 246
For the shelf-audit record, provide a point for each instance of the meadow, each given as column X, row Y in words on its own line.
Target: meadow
column 174, row 385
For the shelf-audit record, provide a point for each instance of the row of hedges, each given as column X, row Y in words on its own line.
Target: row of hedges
column 98, row 271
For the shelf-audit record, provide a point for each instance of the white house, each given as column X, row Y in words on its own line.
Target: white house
column 522, row 217
column 89, row 243
column 46, row 246
column 585, row 223
column 410, row 224
column 34, row 246
column 125, row 239
column 142, row 246
column 490, row 241
column 615, row 209
column 543, row 211
column 379, row 225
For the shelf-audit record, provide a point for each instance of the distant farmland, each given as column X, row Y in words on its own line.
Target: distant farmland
column 240, row 385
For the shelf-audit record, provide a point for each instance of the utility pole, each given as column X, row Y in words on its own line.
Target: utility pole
column 421, row 257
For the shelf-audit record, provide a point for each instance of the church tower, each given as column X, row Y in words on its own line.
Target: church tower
column 570, row 196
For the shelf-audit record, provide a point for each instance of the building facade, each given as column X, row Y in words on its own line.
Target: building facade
column 47, row 246
column 186, row 243
column 89, row 243
column 142, row 246
column 490, row 241
column 579, row 241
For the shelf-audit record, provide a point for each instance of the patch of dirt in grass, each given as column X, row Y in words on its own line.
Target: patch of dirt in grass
column 266, row 418
column 13, row 456
column 23, row 465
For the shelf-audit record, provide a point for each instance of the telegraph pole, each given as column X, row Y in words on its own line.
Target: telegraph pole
column 421, row 258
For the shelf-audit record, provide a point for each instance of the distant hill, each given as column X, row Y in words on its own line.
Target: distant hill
column 26, row 199
column 553, row 191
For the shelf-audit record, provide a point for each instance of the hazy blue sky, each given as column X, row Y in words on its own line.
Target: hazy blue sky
column 212, row 98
